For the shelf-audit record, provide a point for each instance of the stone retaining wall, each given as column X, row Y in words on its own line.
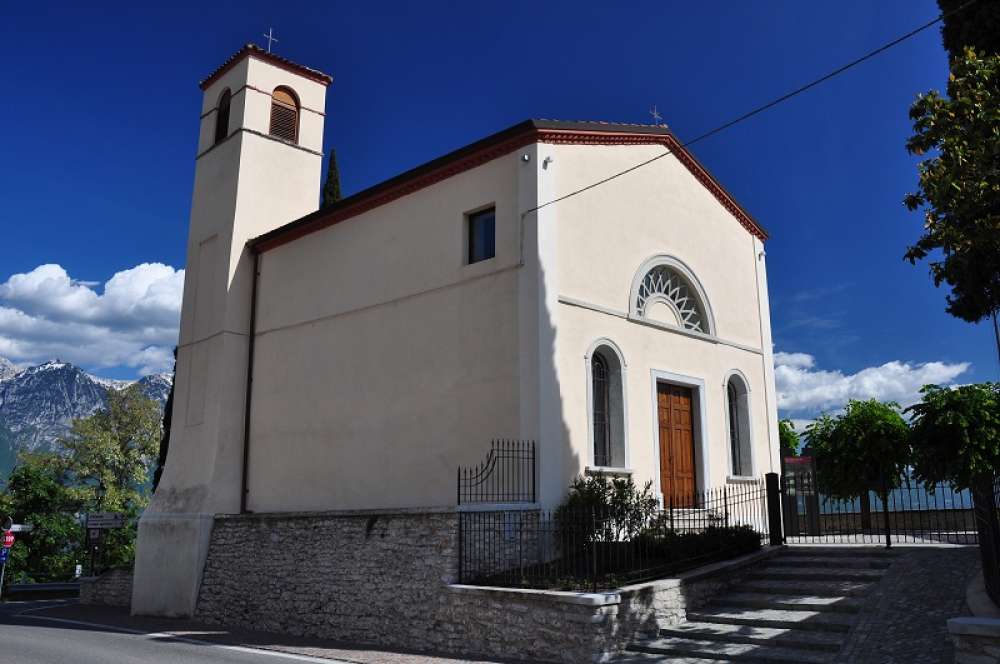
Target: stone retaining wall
column 113, row 588
column 977, row 638
column 388, row 579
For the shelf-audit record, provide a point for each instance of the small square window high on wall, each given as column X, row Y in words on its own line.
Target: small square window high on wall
column 482, row 235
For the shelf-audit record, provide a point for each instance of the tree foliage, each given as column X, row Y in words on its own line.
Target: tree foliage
column 112, row 452
column 331, row 188
column 789, row 438
column 968, row 24
column 866, row 448
column 956, row 434
column 37, row 494
column 959, row 186
column 168, row 414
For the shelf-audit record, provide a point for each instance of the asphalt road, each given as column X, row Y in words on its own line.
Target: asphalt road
column 25, row 639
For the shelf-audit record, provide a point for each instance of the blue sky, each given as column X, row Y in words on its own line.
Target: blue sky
column 99, row 154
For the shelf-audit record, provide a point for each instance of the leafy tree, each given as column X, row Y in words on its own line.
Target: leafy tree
column 975, row 24
column 37, row 494
column 331, row 188
column 866, row 448
column 956, row 434
column 959, row 187
column 168, row 411
column 789, row 438
column 108, row 455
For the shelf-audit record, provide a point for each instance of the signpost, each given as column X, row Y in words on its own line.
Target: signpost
column 105, row 520
column 97, row 523
column 8, row 541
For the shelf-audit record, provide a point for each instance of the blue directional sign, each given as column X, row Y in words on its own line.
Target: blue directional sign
column 3, row 554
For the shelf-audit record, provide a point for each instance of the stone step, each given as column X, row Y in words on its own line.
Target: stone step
column 650, row 658
column 799, row 587
column 730, row 652
column 777, row 571
column 825, row 621
column 840, row 562
column 772, row 636
column 790, row 602
column 844, row 551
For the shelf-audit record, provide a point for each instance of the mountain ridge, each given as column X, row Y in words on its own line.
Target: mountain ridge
column 39, row 403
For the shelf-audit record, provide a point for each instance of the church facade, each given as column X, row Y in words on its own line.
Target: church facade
column 353, row 357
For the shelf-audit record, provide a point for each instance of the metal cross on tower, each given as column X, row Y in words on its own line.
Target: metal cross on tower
column 656, row 115
column 270, row 38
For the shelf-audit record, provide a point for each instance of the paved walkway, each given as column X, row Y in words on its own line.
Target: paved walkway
column 904, row 619
column 166, row 630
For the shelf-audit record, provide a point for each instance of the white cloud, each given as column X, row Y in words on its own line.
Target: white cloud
column 132, row 322
column 803, row 389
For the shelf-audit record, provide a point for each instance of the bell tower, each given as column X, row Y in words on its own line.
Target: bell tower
column 257, row 167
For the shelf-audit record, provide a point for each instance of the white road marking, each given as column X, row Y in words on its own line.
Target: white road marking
column 183, row 639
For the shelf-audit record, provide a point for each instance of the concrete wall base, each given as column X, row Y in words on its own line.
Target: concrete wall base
column 169, row 561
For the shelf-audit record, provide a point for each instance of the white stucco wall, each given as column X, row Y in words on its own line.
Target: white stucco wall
column 383, row 361
column 604, row 236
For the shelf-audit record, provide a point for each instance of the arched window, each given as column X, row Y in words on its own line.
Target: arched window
column 665, row 291
column 607, row 408
column 738, row 416
column 284, row 115
column 222, row 116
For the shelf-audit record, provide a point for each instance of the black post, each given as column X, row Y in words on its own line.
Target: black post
column 885, row 511
column 774, row 508
column 593, row 546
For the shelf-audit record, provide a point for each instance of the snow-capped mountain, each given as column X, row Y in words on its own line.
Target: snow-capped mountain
column 38, row 404
column 7, row 369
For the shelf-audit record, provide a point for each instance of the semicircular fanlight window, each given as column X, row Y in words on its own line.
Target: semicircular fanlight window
column 664, row 283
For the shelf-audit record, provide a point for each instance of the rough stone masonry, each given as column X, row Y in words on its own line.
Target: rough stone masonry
column 387, row 578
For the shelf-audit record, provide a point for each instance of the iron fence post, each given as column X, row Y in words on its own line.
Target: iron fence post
column 773, row 488
column 885, row 511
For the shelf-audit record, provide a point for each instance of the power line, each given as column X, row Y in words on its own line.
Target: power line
column 761, row 109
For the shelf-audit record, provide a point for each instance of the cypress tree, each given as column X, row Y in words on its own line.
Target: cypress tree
column 331, row 188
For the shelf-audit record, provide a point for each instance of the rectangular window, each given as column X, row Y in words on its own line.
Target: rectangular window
column 482, row 235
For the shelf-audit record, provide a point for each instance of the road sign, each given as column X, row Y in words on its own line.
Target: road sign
column 8, row 539
column 94, row 535
column 4, row 552
column 21, row 528
column 105, row 520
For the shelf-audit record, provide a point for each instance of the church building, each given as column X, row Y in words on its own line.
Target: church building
column 589, row 286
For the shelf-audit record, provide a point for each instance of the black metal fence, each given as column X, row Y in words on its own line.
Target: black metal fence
column 507, row 475
column 911, row 513
column 593, row 548
column 987, row 516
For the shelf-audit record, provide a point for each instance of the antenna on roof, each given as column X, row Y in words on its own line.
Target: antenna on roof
column 656, row 115
column 269, row 36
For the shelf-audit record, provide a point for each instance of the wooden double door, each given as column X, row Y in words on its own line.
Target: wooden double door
column 677, row 465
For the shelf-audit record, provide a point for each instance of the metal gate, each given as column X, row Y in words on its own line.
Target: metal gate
column 914, row 513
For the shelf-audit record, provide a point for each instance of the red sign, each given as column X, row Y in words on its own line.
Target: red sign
column 8, row 539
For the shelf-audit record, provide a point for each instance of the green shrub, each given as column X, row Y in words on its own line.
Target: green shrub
column 601, row 510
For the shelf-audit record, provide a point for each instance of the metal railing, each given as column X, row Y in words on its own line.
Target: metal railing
column 603, row 547
column 507, row 475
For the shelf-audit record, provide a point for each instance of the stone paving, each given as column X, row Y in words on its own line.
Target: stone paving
column 904, row 619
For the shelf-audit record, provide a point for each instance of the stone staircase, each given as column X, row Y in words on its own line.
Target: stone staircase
column 797, row 606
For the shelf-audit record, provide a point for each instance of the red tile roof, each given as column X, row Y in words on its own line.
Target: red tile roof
column 254, row 51
column 499, row 144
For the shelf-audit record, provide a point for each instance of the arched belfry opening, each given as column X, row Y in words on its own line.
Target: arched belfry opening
column 284, row 114
column 222, row 116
